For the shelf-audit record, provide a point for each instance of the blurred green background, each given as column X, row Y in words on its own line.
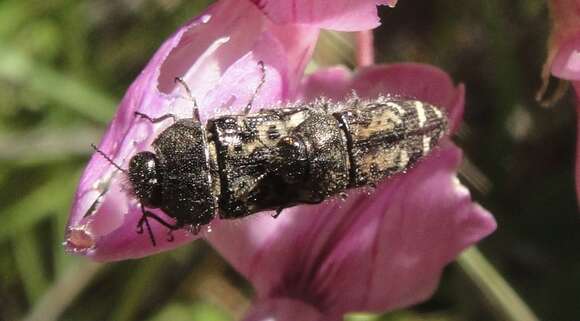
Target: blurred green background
column 64, row 65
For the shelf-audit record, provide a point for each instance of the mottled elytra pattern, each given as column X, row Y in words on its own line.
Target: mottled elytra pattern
column 246, row 154
column 237, row 165
column 327, row 158
column 388, row 136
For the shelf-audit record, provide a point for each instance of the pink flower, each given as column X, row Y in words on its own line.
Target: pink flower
column 343, row 15
column 374, row 251
column 217, row 55
column 564, row 57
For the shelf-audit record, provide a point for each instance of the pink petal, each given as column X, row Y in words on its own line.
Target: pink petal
column 342, row 15
column 401, row 79
column 217, row 55
column 334, row 82
column 376, row 252
column 565, row 15
column 371, row 252
column 566, row 63
column 562, row 59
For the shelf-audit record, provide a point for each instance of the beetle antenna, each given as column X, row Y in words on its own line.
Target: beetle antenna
column 107, row 158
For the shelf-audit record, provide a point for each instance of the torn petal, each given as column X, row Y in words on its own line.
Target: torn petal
column 216, row 54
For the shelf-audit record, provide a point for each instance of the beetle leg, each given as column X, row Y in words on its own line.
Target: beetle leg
column 158, row 119
column 195, row 229
column 144, row 220
column 170, row 237
column 182, row 82
column 161, row 221
column 260, row 84
column 140, row 229
column 278, row 212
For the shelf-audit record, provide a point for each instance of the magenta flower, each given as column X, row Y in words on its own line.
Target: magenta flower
column 372, row 252
column 377, row 250
column 564, row 57
column 217, row 55
column 342, row 15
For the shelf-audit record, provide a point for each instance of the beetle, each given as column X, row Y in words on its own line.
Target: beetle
column 304, row 153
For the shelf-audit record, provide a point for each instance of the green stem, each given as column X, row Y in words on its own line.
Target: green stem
column 500, row 295
column 18, row 68
column 64, row 291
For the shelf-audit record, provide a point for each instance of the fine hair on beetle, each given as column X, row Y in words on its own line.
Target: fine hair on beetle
column 302, row 153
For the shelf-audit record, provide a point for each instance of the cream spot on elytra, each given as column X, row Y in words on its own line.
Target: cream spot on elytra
column 426, row 144
column 420, row 113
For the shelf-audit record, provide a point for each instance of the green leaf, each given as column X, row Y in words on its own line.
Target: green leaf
column 362, row 317
column 48, row 83
column 12, row 14
column 47, row 144
column 64, row 290
column 29, row 261
column 38, row 204
column 502, row 297
column 195, row 312
column 136, row 288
